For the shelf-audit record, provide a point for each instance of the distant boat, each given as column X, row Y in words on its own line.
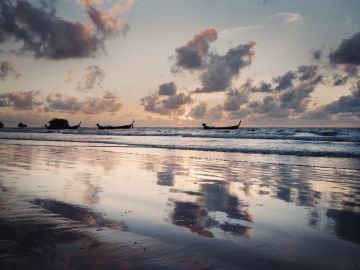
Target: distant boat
column 59, row 123
column 21, row 125
column 228, row 127
column 1, row 125
column 116, row 127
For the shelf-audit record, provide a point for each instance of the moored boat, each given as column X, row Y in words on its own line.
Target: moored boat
column 59, row 123
column 228, row 127
column 116, row 127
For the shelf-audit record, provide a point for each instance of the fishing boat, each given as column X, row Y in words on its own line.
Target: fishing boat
column 59, row 123
column 22, row 125
column 116, row 127
column 228, row 127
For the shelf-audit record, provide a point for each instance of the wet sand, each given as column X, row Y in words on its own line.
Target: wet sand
column 80, row 207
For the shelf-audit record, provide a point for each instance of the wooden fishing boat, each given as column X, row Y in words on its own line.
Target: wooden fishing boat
column 59, row 123
column 228, row 127
column 116, row 127
column 22, row 125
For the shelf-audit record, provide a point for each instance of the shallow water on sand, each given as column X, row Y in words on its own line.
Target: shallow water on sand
column 73, row 206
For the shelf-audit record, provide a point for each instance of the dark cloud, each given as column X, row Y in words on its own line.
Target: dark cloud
column 339, row 80
column 292, row 101
column 108, row 103
column 92, row 78
column 345, row 104
column 348, row 51
column 307, row 72
column 176, row 101
column 346, row 108
column 296, row 99
column 317, row 55
column 193, row 54
column 7, row 68
column 40, row 31
column 198, row 111
column 351, row 72
column 267, row 105
column 20, row 100
column 263, row 87
column 221, row 69
column 167, row 89
column 285, row 81
column 166, row 104
column 237, row 97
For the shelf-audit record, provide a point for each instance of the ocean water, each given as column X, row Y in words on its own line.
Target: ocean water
column 307, row 142
column 180, row 198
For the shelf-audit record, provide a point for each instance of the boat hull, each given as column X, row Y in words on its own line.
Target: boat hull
column 228, row 127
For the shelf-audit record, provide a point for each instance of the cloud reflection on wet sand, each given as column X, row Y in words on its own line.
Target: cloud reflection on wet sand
column 87, row 206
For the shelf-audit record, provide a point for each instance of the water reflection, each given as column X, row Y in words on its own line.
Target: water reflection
column 77, row 213
column 213, row 190
column 346, row 224
column 177, row 197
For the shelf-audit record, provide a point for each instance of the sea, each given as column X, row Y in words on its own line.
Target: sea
column 180, row 198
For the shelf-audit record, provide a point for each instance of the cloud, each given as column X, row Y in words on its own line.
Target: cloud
column 20, row 100
column 349, row 103
column 307, row 72
column 108, row 22
column 198, row 111
column 237, row 97
column 267, row 105
column 59, row 102
column 169, row 106
column 285, row 81
column 165, row 101
column 348, row 51
column 263, row 87
column 215, row 113
column 7, row 68
column 236, row 31
column 167, row 89
column 45, row 35
column 221, row 69
column 193, row 54
column 289, row 98
column 288, row 17
column 317, row 55
column 93, row 77
column 351, row 72
column 108, row 103
column 296, row 99
column 347, row 107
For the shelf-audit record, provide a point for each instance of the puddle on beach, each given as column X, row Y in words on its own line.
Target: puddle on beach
column 76, row 207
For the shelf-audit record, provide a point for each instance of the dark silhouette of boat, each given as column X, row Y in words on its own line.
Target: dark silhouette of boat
column 1, row 125
column 22, row 125
column 59, row 123
column 228, row 127
column 116, row 127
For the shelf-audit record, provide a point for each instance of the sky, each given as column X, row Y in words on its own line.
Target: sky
column 180, row 63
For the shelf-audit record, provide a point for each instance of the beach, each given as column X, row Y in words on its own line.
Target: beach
column 180, row 199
